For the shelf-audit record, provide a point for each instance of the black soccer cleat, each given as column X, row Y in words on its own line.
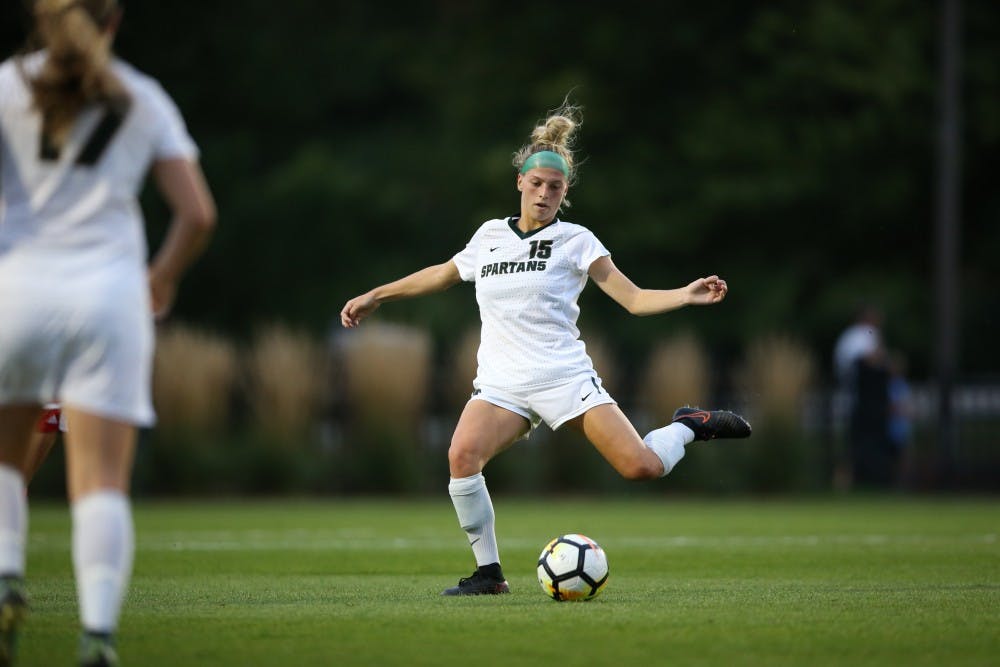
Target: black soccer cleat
column 490, row 582
column 97, row 650
column 711, row 424
column 13, row 610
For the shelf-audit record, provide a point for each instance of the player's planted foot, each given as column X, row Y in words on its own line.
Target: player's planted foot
column 13, row 610
column 486, row 580
column 711, row 424
column 97, row 649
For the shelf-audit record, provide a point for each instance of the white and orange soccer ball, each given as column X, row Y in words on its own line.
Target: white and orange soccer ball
column 572, row 567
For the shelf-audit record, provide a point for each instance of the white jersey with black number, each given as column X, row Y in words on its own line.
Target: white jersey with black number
column 527, row 286
column 75, row 319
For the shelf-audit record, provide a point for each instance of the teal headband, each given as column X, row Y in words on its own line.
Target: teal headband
column 546, row 160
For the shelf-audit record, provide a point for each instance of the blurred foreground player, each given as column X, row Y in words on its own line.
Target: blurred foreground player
column 79, row 130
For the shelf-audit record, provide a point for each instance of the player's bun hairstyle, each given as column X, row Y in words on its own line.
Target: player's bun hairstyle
column 75, row 72
column 556, row 134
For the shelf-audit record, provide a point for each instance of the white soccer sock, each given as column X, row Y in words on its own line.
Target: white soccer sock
column 103, row 548
column 668, row 443
column 13, row 521
column 475, row 514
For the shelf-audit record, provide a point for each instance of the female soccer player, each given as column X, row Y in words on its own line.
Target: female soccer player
column 529, row 271
column 79, row 129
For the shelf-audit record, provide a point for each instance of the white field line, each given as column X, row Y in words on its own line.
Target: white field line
column 263, row 540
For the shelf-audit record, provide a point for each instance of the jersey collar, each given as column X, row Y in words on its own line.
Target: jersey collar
column 512, row 222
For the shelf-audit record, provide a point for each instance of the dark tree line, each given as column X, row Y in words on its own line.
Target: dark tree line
column 788, row 146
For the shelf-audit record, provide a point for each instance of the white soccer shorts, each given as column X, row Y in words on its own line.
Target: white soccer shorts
column 95, row 357
column 555, row 404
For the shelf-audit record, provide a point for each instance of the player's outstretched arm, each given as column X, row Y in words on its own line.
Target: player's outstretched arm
column 426, row 281
column 638, row 301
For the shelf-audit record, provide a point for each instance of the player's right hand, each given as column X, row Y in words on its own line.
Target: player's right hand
column 162, row 293
column 358, row 309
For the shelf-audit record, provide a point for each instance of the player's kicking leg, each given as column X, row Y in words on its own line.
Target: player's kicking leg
column 656, row 454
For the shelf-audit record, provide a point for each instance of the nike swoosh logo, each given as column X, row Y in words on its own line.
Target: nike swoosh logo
column 494, row 248
column 474, row 541
column 703, row 416
column 583, row 398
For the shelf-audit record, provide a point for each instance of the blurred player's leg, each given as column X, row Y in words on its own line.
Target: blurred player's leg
column 99, row 456
column 16, row 427
column 42, row 442
column 13, row 610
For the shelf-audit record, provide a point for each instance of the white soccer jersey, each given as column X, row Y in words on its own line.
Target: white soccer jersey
column 75, row 320
column 527, row 286
column 82, row 198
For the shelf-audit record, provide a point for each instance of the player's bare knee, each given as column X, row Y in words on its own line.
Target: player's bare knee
column 463, row 461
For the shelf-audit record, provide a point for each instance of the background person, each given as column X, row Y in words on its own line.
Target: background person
column 861, row 339
column 872, row 456
column 860, row 400
column 900, row 419
column 79, row 129
column 529, row 270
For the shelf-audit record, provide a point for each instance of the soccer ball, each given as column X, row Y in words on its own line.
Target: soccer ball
column 572, row 567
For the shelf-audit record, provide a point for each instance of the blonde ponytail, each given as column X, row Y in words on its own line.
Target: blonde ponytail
column 556, row 134
column 75, row 73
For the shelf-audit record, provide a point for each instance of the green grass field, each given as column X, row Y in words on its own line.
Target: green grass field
column 829, row 582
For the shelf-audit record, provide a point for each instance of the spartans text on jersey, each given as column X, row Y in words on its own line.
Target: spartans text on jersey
column 497, row 268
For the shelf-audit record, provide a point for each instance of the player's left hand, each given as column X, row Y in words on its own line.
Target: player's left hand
column 706, row 291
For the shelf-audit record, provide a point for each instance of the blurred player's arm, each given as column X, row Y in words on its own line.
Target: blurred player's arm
column 425, row 281
column 183, row 186
column 639, row 301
